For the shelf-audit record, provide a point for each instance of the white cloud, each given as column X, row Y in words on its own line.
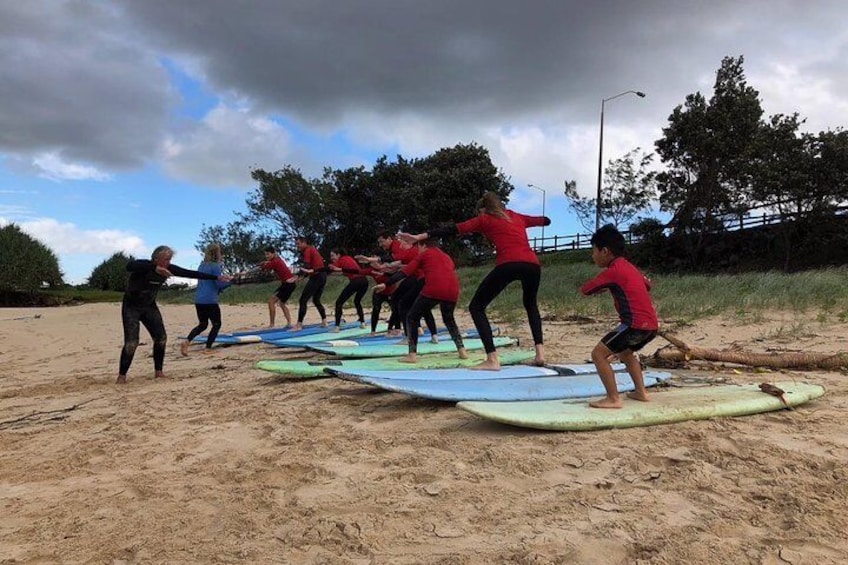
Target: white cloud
column 67, row 238
column 51, row 166
column 221, row 149
column 11, row 212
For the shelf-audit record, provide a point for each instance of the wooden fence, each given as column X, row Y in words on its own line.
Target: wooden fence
column 583, row 240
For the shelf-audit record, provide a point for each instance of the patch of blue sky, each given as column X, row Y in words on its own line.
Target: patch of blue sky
column 196, row 100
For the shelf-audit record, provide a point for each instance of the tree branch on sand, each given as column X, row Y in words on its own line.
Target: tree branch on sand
column 40, row 417
column 681, row 352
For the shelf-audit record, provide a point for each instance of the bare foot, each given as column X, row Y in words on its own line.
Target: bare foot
column 297, row 327
column 336, row 330
column 161, row 375
column 463, row 354
column 208, row 351
column 487, row 366
column 434, row 339
column 605, row 403
column 324, row 323
column 640, row 396
column 408, row 359
column 184, row 348
column 404, row 341
column 362, row 325
column 122, row 380
column 539, row 362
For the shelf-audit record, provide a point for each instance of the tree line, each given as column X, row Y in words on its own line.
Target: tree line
column 718, row 158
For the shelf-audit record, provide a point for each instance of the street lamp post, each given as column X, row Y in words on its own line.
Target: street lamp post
column 601, row 154
column 544, row 194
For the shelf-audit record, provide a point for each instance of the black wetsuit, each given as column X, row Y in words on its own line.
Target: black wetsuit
column 139, row 307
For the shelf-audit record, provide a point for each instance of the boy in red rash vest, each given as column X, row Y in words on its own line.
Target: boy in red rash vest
column 630, row 292
column 379, row 298
column 315, row 285
column 399, row 253
column 441, row 287
column 273, row 262
column 357, row 285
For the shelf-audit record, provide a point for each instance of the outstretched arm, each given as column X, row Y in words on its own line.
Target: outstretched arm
column 442, row 231
column 178, row 271
column 394, row 279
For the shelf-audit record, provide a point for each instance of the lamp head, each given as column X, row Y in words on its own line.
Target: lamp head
column 640, row 94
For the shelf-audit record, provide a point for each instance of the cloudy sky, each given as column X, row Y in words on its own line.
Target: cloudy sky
column 128, row 124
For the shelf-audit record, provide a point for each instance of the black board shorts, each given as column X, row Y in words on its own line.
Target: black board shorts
column 625, row 337
column 285, row 291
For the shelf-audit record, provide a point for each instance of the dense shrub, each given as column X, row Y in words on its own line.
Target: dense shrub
column 26, row 264
column 111, row 274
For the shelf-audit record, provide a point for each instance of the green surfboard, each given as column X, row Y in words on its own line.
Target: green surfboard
column 424, row 347
column 315, row 369
column 304, row 341
column 665, row 407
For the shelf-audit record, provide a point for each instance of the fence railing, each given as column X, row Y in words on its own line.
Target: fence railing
column 743, row 221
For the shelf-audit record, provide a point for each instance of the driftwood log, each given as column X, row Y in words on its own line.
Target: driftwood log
column 680, row 352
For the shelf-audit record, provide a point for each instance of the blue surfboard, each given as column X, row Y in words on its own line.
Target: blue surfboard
column 267, row 334
column 464, row 373
column 510, row 389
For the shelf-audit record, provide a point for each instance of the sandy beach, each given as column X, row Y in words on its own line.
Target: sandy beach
column 224, row 463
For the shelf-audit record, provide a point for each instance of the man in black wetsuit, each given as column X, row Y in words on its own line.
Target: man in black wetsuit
column 139, row 305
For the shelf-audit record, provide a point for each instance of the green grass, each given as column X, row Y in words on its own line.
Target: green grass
column 683, row 298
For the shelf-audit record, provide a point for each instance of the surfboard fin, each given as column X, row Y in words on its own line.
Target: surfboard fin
column 775, row 391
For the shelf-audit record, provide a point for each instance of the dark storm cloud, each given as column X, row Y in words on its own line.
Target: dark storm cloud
column 485, row 58
column 82, row 79
column 75, row 83
column 482, row 59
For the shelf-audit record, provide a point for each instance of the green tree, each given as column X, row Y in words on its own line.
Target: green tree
column 346, row 208
column 242, row 246
column 112, row 273
column 707, row 149
column 287, row 205
column 27, row 264
column 629, row 188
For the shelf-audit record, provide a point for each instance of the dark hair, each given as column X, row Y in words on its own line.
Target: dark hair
column 337, row 251
column 429, row 242
column 301, row 238
column 608, row 236
column 270, row 249
column 385, row 234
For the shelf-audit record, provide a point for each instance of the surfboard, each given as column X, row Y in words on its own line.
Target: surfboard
column 387, row 340
column 317, row 368
column 266, row 334
column 411, row 372
column 583, row 368
column 665, row 407
column 502, row 388
column 424, row 347
column 303, row 341
column 279, row 329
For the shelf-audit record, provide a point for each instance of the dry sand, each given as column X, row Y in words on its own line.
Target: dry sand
column 224, row 463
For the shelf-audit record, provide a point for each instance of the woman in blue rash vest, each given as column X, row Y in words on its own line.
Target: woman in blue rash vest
column 206, row 300
column 139, row 305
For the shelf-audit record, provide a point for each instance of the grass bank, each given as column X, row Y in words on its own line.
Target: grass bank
column 679, row 297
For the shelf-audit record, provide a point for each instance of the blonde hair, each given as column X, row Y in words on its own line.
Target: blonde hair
column 213, row 253
column 492, row 205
